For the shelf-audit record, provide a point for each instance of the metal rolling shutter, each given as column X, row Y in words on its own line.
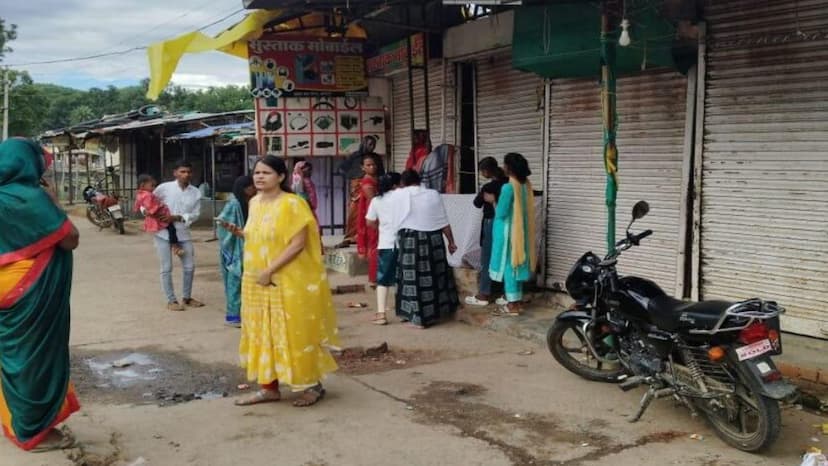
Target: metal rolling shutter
column 651, row 115
column 509, row 113
column 764, row 220
column 401, row 122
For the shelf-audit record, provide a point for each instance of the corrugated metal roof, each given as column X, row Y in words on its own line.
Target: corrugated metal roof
column 155, row 122
column 212, row 131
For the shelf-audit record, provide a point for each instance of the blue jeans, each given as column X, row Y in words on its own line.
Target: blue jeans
column 187, row 263
column 485, row 287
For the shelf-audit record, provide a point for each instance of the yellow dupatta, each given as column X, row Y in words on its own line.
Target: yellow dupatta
column 519, row 236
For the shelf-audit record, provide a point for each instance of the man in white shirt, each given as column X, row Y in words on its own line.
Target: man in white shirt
column 184, row 202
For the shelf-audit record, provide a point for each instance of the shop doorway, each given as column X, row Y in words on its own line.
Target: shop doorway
column 467, row 140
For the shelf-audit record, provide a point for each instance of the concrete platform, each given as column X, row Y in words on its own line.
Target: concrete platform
column 343, row 260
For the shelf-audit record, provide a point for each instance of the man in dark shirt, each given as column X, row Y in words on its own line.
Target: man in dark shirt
column 490, row 191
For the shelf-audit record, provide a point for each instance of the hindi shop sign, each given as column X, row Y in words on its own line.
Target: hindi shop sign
column 286, row 66
column 393, row 58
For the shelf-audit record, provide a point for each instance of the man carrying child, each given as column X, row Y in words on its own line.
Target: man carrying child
column 183, row 202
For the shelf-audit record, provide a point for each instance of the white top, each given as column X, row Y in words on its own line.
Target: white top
column 184, row 202
column 418, row 208
column 383, row 210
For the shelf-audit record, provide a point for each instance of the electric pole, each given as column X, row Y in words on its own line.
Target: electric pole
column 6, row 89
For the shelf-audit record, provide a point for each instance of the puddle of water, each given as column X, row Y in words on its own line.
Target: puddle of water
column 210, row 395
column 124, row 371
column 149, row 376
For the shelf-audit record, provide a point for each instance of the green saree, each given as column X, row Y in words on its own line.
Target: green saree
column 35, row 283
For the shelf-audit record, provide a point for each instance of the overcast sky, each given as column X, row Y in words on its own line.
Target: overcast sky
column 57, row 29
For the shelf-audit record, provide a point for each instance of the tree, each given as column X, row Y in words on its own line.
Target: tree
column 28, row 105
column 7, row 34
column 81, row 114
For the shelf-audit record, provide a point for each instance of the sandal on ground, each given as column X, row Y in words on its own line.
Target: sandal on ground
column 55, row 440
column 190, row 302
column 261, row 396
column 506, row 311
column 310, row 396
column 414, row 326
column 174, row 306
column 476, row 301
column 379, row 319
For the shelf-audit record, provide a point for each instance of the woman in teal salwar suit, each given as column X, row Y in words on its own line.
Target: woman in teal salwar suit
column 514, row 257
column 231, row 252
column 36, row 243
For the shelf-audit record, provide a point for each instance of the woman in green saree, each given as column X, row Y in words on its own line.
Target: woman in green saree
column 36, row 243
column 231, row 254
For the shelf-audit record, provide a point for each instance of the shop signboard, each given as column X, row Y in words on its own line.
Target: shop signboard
column 394, row 57
column 289, row 65
column 319, row 126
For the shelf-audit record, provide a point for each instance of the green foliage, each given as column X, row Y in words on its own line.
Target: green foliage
column 7, row 34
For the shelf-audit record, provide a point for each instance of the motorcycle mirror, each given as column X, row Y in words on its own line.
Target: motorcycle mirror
column 640, row 210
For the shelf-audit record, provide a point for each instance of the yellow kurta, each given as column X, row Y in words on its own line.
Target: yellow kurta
column 286, row 329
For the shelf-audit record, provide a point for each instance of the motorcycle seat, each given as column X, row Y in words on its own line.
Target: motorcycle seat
column 672, row 314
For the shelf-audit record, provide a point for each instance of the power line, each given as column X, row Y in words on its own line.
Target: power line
column 220, row 20
column 65, row 60
column 111, row 54
column 157, row 26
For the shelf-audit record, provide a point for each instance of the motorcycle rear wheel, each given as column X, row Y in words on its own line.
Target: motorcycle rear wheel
column 754, row 436
column 98, row 217
column 119, row 225
column 587, row 366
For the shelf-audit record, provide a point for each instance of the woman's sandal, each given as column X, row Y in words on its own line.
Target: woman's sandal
column 505, row 311
column 310, row 396
column 55, row 440
column 379, row 319
column 261, row 396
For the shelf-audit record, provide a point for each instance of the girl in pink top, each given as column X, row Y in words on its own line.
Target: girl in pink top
column 153, row 209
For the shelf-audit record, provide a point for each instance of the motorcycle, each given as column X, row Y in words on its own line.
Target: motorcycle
column 103, row 210
column 714, row 357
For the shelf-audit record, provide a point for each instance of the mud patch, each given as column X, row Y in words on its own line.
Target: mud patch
column 526, row 439
column 81, row 456
column 148, row 376
column 382, row 358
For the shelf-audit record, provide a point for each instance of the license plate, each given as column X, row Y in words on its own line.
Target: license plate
column 116, row 211
column 754, row 349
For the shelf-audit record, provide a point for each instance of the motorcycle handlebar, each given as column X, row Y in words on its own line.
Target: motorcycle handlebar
column 637, row 238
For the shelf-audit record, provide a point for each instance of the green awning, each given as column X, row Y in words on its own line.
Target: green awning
column 564, row 40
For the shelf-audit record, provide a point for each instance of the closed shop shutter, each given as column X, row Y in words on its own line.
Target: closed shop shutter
column 764, row 220
column 651, row 140
column 401, row 122
column 510, row 113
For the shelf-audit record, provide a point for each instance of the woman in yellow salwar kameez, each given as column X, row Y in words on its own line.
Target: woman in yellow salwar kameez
column 288, row 317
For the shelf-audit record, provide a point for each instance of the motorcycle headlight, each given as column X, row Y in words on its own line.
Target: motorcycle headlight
column 587, row 268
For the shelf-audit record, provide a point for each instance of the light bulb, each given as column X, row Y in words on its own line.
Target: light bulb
column 624, row 40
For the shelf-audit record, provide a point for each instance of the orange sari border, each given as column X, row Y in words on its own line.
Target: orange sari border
column 70, row 406
column 38, row 246
column 20, row 289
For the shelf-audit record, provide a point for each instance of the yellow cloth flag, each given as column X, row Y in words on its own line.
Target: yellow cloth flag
column 164, row 56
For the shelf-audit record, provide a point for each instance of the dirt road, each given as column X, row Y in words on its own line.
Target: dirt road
column 450, row 395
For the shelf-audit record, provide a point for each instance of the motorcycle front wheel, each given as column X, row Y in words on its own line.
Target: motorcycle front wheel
column 98, row 217
column 567, row 342
column 747, row 420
